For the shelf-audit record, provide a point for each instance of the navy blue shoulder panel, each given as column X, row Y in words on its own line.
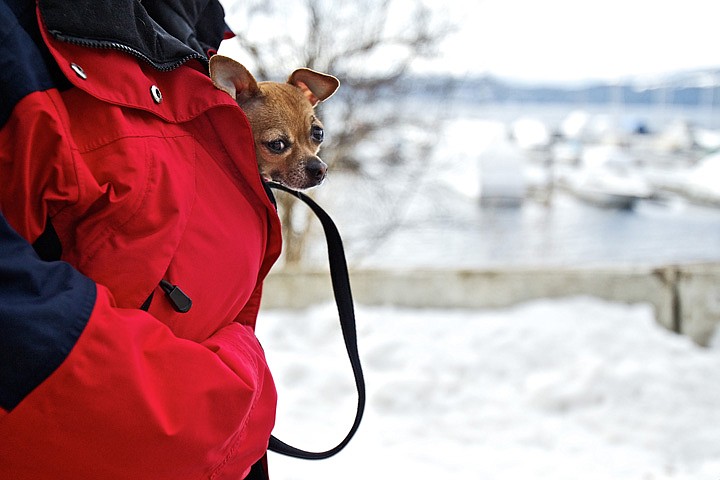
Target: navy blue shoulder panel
column 44, row 307
column 27, row 65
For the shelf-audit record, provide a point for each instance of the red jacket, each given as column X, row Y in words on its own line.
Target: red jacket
column 146, row 175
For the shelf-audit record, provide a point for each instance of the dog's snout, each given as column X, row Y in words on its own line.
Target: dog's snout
column 316, row 169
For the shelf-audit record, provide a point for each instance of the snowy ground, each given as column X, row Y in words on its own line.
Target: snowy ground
column 561, row 389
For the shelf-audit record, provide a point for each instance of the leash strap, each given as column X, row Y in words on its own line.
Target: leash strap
column 343, row 300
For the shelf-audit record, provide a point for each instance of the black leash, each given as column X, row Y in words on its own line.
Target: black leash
column 343, row 300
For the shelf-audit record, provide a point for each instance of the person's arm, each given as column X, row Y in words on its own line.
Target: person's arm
column 88, row 390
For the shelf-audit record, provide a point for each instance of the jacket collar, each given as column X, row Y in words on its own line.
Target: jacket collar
column 164, row 33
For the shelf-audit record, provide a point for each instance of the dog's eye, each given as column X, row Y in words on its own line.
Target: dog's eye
column 277, row 146
column 317, row 133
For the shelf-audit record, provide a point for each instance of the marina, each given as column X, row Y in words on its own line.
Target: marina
column 490, row 196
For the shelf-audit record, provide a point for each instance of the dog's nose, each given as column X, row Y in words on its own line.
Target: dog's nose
column 316, row 169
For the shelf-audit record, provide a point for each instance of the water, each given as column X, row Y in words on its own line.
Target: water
column 437, row 222
column 566, row 233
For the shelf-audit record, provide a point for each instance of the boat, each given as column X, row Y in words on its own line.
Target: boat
column 606, row 190
column 605, row 177
column 701, row 183
column 502, row 176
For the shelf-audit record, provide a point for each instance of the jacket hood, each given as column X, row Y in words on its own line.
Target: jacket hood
column 164, row 33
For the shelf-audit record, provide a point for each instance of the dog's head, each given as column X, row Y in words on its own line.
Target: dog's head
column 286, row 131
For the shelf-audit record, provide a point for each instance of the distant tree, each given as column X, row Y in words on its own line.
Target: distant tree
column 370, row 45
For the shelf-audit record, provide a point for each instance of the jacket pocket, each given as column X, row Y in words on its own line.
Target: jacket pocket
column 136, row 194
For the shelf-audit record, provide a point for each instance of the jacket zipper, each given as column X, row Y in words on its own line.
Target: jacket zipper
column 109, row 45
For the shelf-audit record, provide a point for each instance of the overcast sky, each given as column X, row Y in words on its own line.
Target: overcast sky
column 555, row 40
column 572, row 40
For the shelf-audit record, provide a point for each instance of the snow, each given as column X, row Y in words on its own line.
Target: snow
column 552, row 389
column 530, row 133
column 463, row 176
column 705, row 175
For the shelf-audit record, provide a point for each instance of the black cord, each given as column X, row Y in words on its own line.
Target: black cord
column 343, row 299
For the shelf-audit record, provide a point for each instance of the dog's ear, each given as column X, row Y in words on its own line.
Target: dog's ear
column 231, row 77
column 316, row 86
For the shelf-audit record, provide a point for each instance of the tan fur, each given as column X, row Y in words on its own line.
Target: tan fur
column 280, row 114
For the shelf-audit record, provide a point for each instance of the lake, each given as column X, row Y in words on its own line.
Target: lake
column 564, row 233
column 435, row 219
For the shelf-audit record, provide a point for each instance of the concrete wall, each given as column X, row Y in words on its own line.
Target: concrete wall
column 698, row 290
column 686, row 297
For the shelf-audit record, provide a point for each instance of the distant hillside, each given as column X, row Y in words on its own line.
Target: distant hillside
column 691, row 88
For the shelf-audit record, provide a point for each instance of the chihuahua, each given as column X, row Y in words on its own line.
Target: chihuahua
column 286, row 132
